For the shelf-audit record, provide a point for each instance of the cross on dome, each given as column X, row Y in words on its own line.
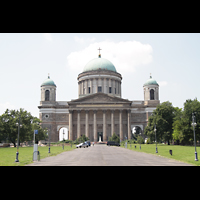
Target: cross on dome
column 99, row 52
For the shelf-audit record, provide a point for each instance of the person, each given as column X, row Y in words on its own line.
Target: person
column 93, row 143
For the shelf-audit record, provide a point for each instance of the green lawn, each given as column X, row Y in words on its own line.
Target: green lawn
column 181, row 153
column 8, row 154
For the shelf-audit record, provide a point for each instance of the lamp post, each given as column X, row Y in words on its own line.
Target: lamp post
column 63, row 138
column 155, row 138
column 140, row 139
column 194, row 124
column 17, row 153
column 49, row 141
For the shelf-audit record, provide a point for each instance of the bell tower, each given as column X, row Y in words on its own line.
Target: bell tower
column 151, row 91
column 48, row 91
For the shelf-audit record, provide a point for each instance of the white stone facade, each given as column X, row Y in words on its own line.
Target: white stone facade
column 100, row 109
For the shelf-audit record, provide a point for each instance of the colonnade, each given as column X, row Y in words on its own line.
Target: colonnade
column 104, row 83
column 95, row 124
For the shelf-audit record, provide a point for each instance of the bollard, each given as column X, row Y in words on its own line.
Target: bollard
column 170, row 151
column 38, row 157
column 135, row 147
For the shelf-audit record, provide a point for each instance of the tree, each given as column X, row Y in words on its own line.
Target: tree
column 81, row 139
column 114, row 138
column 9, row 127
column 183, row 130
column 163, row 117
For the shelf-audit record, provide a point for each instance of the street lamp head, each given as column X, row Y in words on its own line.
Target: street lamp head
column 194, row 124
column 155, row 129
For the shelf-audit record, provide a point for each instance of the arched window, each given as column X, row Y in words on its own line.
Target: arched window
column 151, row 94
column 47, row 94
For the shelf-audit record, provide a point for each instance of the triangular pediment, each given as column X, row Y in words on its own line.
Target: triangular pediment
column 100, row 98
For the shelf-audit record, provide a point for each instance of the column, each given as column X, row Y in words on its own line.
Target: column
column 86, row 124
column 86, row 86
column 91, row 86
column 112, row 122
column 102, row 85
column 97, row 85
column 105, row 86
column 95, row 125
column 78, row 124
column 113, row 86
column 70, row 125
column 120, row 125
column 120, row 91
column 129, row 123
column 104, row 126
column 82, row 88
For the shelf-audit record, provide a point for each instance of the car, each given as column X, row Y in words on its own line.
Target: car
column 88, row 143
column 113, row 143
column 85, row 144
column 77, row 146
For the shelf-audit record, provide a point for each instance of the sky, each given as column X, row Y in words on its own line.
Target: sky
column 173, row 59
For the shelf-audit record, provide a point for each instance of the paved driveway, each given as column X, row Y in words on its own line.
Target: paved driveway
column 102, row 155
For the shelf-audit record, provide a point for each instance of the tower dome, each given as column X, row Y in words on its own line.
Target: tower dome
column 48, row 81
column 99, row 63
column 150, row 81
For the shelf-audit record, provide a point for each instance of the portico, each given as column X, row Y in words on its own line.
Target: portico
column 99, row 113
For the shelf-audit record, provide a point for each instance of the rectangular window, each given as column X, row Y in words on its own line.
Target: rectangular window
column 89, row 90
column 110, row 89
column 99, row 89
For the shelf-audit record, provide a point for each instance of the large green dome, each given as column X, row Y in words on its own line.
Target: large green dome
column 151, row 81
column 99, row 63
column 48, row 81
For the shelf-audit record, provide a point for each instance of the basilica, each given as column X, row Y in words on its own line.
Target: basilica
column 99, row 111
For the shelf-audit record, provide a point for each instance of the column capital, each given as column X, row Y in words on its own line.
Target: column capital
column 95, row 111
column 86, row 111
column 104, row 111
column 78, row 111
column 70, row 111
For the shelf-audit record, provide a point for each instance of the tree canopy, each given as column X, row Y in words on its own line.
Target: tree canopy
column 182, row 128
column 9, row 126
column 173, row 123
column 162, row 117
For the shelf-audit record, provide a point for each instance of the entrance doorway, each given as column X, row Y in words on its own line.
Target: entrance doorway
column 100, row 136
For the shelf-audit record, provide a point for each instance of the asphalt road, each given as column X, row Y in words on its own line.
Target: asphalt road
column 103, row 155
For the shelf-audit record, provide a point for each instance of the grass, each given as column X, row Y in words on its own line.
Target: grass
column 181, row 153
column 8, row 154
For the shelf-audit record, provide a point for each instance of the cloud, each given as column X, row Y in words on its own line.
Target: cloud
column 83, row 40
column 125, row 56
column 162, row 83
column 48, row 36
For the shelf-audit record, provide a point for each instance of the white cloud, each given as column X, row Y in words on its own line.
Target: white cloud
column 4, row 106
column 125, row 56
column 48, row 36
column 83, row 40
column 162, row 83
